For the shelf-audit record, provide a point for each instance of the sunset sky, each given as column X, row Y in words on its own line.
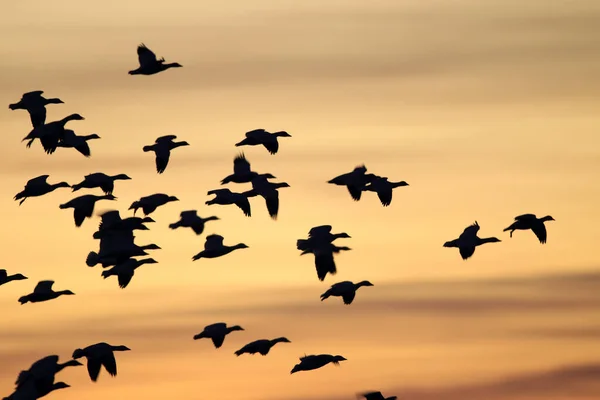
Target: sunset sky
column 487, row 109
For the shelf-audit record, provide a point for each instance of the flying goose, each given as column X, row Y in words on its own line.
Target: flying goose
column 530, row 221
column 267, row 190
column 190, row 219
column 324, row 259
column 346, row 290
column 5, row 278
column 308, row 363
column 35, row 104
column 51, row 133
column 354, row 181
column 226, row 197
column 43, row 371
column 112, row 224
column 262, row 346
column 162, row 149
column 38, row 186
column 262, row 137
column 214, row 247
column 149, row 204
column 116, row 249
column 383, row 188
column 242, row 172
column 377, row 396
column 43, row 292
column 217, row 332
column 83, row 206
column 32, row 391
column 468, row 241
column 149, row 64
column 125, row 270
column 98, row 355
column 106, row 183
column 70, row 140
column 319, row 234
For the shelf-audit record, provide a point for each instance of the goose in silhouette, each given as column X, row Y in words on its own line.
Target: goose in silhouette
column 242, row 172
column 98, row 355
column 214, row 247
column 468, row 241
column 100, row 180
column 530, row 221
column 149, row 64
column 5, row 278
column 354, row 181
column 51, row 133
column 217, row 332
column 125, row 270
column 149, row 204
column 383, row 188
column 83, row 206
column 308, row 363
column 35, row 104
column 261, row 137
column 226, row 197
column 268, row 191
column 262, row 346
column 377, row 396
column 80, row 143
column 43, row 292
column 324, row 258
column 31, row 391
column 319, row 234
column 162, row 149
column 116, row 249
column 346, row 290
column 43, row 371
column 190, row 219
column 112, row 224
column 38, row 186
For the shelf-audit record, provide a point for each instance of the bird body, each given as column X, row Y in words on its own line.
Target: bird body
column 217, row 332
column 383, row 188
column 312, row 362
column 83, row 206
column 79, row 143
column 190, row 219
column 531, row 222
column 100, row 180
column 377, row 396
column 149, row 64
column 261, row 137
column 214, row 247
column 149, row 204
column 354, row 181
column 43, row 292
column 262, row 346
column 162, row 149
column 468, row 241
column 35, row 104
column 98, row 355
column 346, row 290
column 38, row 186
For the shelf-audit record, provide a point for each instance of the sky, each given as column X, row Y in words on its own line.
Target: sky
column 488, row 111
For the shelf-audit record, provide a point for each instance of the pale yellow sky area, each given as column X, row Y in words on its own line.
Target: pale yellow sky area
column 487, row 109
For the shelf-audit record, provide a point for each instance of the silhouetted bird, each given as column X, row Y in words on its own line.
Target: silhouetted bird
column 5, row 278
column 149, row 64
column 468, row 240
column 319, row 243
column 125, row 270
column 190, row 219
column 261, row 137
column 354, row 181
column 377, row 396
column 51, row 133
column 214, row 247
column 346, row 290
column 262, row 346
column 42, row 372
column 80, row 143
column 115, row 249
column 43, row 292
column 308, row 363
column 242, row 172
column 319, row 234
column 217, row 332
column 100, row 180
column 226, row 197
column 98, row 355
column 34, row 392
column 268, row 191
column 383, row 188
column 83, row 206
column 112, row 224
column 162, row 149
column 149, row 204
column 35, row 104
column 38, row 186
column 530, row 221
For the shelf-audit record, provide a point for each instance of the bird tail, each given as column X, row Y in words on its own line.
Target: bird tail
column 199, row 336
column 302, row 244
column 175, row 225
column 452, row 243
column 92, row 259
column 239, row 352
column 63, row 206
column 148, row 148
column 324, row 296
column 105, row 274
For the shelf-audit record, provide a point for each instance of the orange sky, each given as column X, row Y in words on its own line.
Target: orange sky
column 486, row 111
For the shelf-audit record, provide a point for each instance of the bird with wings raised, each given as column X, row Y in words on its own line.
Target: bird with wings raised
column 468, row 241
column 149, row 64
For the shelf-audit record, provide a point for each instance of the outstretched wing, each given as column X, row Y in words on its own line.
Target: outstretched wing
column 108, row 219
column 213, row 242
column 525, row 217
column 43, row 286
column 166, row 138
column 241, row 166
column 257, row 134
column 540, row 231
column 218, row 340
column 32, row 94
column 466, row 252
column 373, row 396
column 271, row 144
column 319, row 230
column 471, row 230
column 40, row 180
column 146, row 56
column 37, row 115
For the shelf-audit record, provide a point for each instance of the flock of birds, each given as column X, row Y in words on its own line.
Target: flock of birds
column 118, row 254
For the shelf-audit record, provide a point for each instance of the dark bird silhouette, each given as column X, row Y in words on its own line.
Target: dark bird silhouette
column 268, row 191
column 43, row 292
column 5, row 278
column 162, row 149
column 320, row 244
column 124, row 271
column 98, row 355
column 149, row 204
column 261, row 137
column 190, row 219
column 116, row 249
column 377, row 396
column 112, row 224
column 308, row 363
column 262, row 346
column 383, row 188
column 217, row 332
column 83, row 206
column 346, row 290
column 468, row 241
column 34, row 392
column 149, row 64
column 35, row 104
column 242, row 172
column 530, row 221
column 38, row 186
column 354, row 181
column 226, row 197
column 100, row 180
column 214, row 247
column 42, row 372
column 80, row 143
column 51, row 133
column 319, row 234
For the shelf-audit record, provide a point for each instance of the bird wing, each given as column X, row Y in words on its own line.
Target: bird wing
column 108, row 185
column 43, row 287
column 213, row 242
column 84, row 148
column 539, row 229
column 355, row 192
column 50, row 142
column 39, row 180
column 466, row 252
column 93, row 367
column 373, row 396
column 241, row 166
column 124, row 277
column 470, row 230
column 319, row 230
column 324, row 263
column 82, row 211
column 348, row 297
column 244, row 205
column 37, row 115
column 146, row 56
column 256, row 134
column 165, row 138
column 525, row 217
column 162, row 159
column 110, row 363
column 109, row 218
column 218, row 340
column 385, row 194
column 272, row 145
column 272, row 200
column 32, row 94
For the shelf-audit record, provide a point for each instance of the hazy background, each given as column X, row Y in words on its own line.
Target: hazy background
column 488, row 109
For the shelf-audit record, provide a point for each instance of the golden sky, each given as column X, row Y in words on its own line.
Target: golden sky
column 488, row 111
